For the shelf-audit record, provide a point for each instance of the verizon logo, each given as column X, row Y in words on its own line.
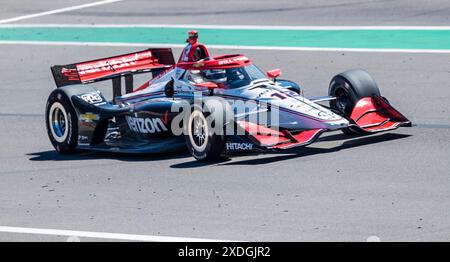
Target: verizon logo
column 146, row 125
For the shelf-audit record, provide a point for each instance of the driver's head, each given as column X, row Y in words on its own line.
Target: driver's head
column 192, row 37
column 235, row 74
column 215, row 75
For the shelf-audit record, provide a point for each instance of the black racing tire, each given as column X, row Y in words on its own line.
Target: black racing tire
column 61, row 122
column 212, row 145
column 348, row 88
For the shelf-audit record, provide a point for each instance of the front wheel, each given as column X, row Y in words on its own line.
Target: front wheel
column 61, row 122
column 203, row 144
column 348, row 88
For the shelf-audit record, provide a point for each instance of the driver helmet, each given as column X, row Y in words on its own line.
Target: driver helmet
column 215, row 75
column 235, row 74
column 192, row 36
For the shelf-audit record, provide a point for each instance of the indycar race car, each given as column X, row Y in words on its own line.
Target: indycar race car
column 216, row 106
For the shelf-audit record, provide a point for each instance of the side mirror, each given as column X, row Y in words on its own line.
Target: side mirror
column 274, row 73
column 209, row 85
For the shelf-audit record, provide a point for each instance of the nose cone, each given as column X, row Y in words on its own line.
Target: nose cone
column 303, row 114
column 334, row 125
column 300, row 122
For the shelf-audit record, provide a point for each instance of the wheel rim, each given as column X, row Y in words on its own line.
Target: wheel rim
column 58, row 122
column 198, row 131
column 343, row 100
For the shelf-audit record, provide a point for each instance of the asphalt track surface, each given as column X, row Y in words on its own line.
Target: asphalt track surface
column 394, row 185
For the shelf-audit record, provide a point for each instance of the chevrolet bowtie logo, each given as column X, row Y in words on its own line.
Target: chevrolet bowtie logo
column 89, row 117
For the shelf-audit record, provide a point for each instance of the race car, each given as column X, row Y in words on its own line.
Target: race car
column 220, row 105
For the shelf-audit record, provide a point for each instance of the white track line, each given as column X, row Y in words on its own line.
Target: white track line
column 57, row 11
column 72, row 233
column 237, row 47
column 246, row 27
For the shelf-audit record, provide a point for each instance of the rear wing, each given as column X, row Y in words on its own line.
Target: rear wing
column 150, row 60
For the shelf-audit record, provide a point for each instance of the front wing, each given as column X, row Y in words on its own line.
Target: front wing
column 370, row 115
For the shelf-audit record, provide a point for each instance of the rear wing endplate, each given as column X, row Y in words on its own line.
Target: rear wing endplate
column 150, row 60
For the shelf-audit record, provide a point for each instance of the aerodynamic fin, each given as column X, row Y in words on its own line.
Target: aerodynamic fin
column 113, row 67
column 375, row 114
column 284, row 139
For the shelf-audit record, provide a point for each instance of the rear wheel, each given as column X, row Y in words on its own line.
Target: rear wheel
column 61, row 122
column 348, row 88
column 203, row 144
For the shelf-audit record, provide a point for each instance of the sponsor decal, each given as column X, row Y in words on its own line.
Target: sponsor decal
column 239, row 146
column 71, row 74
column 262, row 93
column 87, row 124
column 232, row 60
column 89, row 117
column 92, row 98
column 290, row 93
column 112, row 64
column 278, row 95
column 146, row 125
column 184, row 92
column 83, row 139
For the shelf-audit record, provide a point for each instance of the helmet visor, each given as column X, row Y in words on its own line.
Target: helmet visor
column 216, row 76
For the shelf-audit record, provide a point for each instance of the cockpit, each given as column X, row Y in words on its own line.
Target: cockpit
column 230, row 78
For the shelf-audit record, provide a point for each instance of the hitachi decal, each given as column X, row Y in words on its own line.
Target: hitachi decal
column 146, row 125
column 239, row 146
